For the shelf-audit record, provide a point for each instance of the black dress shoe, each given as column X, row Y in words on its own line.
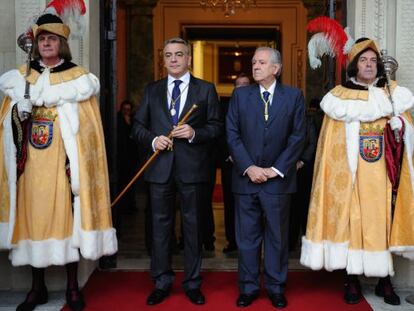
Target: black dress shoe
column 245, row 300
column 352, row 293
column 157, row 296
column 196, row 296
column 278, row 300
column 384, row 289
column 33, row 299
column 75, row 300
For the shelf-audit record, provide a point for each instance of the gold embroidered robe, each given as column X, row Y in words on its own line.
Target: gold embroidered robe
column 349, row 222
column 38, row 222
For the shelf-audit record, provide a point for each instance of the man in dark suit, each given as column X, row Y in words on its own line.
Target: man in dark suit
column 182, row 166
column 265, row 131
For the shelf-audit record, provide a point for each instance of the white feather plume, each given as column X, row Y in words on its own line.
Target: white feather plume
column 350, row 42
column 317, row 47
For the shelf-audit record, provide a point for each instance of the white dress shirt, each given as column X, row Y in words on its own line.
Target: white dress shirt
column 183, row 90
column 183, row 97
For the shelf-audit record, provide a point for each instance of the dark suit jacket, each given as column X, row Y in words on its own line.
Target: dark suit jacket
column 191, row 160
column 276, row 143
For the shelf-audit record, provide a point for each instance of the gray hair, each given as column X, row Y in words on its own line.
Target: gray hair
column 275, row 57
column 180, row 41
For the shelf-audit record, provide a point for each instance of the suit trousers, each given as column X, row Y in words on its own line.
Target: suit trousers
column 162, row 198
column 228, row 198
column 262, row 217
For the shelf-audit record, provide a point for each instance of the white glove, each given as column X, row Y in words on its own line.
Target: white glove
column 395, row 123
column 24, row 108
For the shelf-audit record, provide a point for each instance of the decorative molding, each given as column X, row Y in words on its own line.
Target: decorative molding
column 404, row 43
column 363, row 17
column 25, row 11
column 379, row 22
column 299, row 68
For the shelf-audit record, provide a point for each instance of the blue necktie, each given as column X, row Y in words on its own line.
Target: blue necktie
column 175, row 96
column 266, row 95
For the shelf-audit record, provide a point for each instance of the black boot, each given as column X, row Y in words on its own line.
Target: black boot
column 33, row 298
column 352, row 293
column 38, row 294
column 384, row 289
column 74, row 297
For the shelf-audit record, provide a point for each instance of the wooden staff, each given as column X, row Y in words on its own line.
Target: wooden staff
column 149, row 161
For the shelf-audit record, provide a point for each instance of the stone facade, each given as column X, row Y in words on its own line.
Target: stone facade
column 7, row 42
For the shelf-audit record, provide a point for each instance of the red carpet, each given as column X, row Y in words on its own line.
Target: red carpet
column 218, row 194
column 128, row 291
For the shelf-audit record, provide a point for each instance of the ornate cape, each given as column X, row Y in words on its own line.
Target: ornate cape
column 72, row 92
column 350, row 224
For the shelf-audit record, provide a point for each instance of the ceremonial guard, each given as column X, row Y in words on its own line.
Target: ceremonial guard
column 359, row 213
column 54, row 202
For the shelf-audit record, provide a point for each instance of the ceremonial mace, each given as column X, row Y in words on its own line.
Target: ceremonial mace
column 25, row 42
column 390, row 67
column 149, row 161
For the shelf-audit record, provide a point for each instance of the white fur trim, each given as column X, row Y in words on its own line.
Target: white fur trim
column 355, row 262
column 95, row 244
column 376, row 107
column 369, row 263
column 12, row 83
column 10, row 164
column 352, row 146
column 92, row 244
column 334, row 256
column 69, row 127
column 311, row 254
column 76, row 221
column 41, row 254
column 328, row 255
column 409, row 149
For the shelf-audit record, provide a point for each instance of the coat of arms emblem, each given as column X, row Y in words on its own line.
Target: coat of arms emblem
column 371, row 142
column 41, row 130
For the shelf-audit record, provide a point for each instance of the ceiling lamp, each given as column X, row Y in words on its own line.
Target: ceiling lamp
column 228, row 6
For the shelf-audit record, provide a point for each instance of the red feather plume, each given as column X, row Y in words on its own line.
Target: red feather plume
column 71, row 12
column 62, row 6
column 333, row 32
